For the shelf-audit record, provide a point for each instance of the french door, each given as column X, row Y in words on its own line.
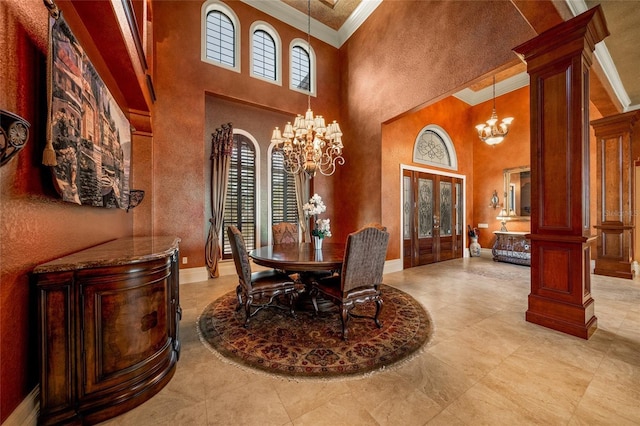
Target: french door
column 432, row 217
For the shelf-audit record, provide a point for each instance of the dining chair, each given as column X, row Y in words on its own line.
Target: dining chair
column 359, row 278
column 376, row 225
column 285, row 233
column 258, row 290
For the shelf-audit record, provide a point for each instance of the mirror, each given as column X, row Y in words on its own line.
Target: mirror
column 517, row 193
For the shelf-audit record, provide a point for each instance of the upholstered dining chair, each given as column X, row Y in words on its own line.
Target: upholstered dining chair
column 376, row 225
column 360, row 276
column 285, row 233
column 258, row 290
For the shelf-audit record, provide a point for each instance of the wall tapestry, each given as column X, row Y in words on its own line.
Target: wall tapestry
column 89, row 137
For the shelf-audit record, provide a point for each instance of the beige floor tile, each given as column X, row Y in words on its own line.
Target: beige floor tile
column 256, row 403
column 484, row 364
column 438, row 380
column 342, row 410
column 300, row 397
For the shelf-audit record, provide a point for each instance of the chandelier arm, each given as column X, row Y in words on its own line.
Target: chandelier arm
column 309, row 144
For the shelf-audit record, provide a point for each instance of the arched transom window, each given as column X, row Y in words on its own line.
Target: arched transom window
column 433, row 146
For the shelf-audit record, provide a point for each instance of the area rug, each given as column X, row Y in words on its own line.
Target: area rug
column 308, row 346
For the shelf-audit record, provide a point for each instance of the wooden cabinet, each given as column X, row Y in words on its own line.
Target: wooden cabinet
column 615, row 221
column 108, row 328
column 512, row 247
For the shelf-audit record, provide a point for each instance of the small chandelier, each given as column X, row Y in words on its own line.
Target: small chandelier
column 308, row 144
column 493, row 133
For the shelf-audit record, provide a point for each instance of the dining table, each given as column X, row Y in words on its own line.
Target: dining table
column 306, row 261
column 300, row 257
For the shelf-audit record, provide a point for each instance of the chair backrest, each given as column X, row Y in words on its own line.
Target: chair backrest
column 285, row 233
column 375, row 225
column 364, row 257
column 240, row 256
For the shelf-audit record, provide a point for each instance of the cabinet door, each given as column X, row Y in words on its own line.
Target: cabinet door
column 126, row 324
column 56, row 331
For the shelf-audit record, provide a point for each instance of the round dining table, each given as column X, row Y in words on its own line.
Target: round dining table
column 301, row 257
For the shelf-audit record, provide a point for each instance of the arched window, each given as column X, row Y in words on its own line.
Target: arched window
column 284, row 207
column 220, row 36
column 241, row 201
column 302, row 67
column 266, row 55
column 433, row 146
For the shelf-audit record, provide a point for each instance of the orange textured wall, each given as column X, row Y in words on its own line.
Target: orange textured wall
column 406, row 55
column 489, row 162
column 34, row 224
column 181, row 135
column 398, row 139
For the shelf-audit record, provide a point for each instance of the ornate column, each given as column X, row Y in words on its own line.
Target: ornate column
column 558, row 62
column 615, row 199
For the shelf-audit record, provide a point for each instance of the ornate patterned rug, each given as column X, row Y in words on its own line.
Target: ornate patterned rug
column 308, row 346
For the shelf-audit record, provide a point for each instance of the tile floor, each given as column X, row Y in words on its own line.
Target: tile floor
column 485, row 365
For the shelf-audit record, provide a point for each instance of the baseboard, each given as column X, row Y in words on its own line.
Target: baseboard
column 394, row 265
column 26, row 414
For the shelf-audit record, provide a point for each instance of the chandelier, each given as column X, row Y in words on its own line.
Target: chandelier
column 493, row 133
column 309, row 145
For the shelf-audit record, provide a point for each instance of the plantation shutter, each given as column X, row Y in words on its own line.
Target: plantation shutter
column 240, row 208
column 283, row 192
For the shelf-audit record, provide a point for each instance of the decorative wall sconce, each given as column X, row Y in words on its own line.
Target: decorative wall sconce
column 135, row 197
column 494, row 200
column 14, row 132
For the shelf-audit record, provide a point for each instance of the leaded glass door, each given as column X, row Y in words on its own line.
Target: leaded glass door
column 432, row 218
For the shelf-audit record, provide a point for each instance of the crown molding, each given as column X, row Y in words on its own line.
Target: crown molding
column 290, row 16
column 604, row 59
column 357, row 18
column 509, row 85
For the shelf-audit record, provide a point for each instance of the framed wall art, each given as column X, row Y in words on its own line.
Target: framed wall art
column 89, row 136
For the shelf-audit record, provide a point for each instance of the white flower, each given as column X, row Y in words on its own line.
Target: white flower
column 322, row 229
column 314, row 207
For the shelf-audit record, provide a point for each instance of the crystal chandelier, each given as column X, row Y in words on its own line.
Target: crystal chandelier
column 493, row 133
column 308, row 144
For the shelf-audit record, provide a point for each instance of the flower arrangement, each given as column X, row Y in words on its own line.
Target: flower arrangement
column 315, row 206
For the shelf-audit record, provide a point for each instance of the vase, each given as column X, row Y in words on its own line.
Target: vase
column 474, row 248
column 317, row 243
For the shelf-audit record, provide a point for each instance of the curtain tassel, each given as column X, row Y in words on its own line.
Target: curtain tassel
column 49, row 155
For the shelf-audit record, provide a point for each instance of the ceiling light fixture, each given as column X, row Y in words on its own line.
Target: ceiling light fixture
column 308, row 144
column 493, row 133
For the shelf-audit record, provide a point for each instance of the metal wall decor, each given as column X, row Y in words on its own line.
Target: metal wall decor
column 14, row 133
column 135, row 197
column 494, row 200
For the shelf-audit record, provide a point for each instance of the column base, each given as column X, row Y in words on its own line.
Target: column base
column 576, row 320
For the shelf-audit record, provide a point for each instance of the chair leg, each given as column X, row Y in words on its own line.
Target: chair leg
column 378, row 309
column 344, row 317
column 239, row 296
column 247, row 310
column 314, row 294
column 293, row 297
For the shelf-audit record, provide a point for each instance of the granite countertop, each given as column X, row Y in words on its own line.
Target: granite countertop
column 122, row 251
